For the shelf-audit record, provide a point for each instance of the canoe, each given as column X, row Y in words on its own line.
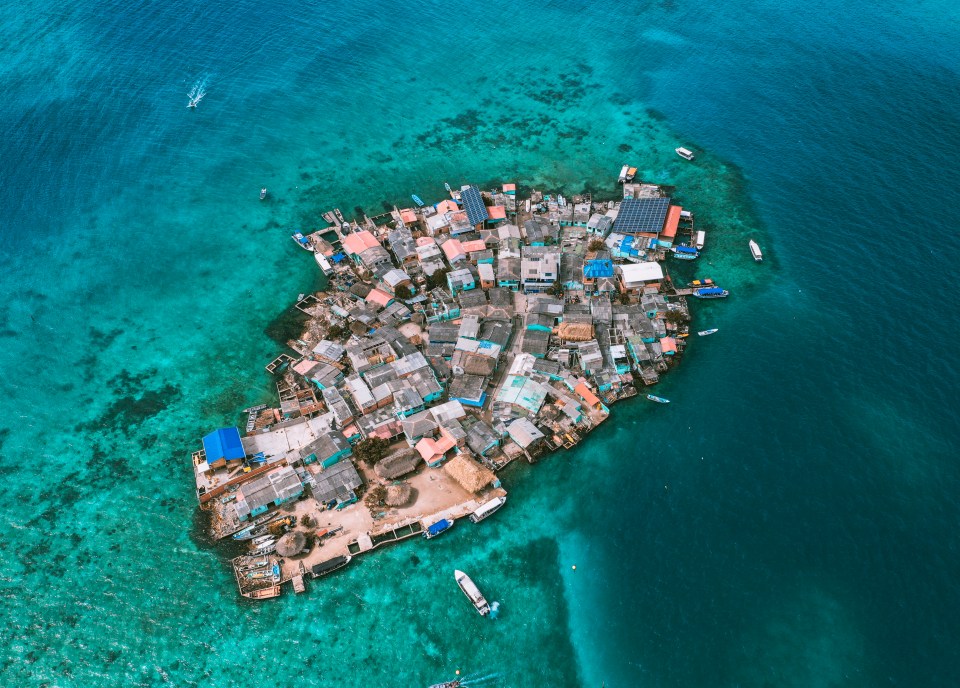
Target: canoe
column 659, row 400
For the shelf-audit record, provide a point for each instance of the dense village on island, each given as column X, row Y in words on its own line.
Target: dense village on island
column 452, row 339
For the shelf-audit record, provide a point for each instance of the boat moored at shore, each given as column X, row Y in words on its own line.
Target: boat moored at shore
column 441, row 526
column 330, row 565
column 755, row 251
column 302, row 241
column 710, row 293
column 685, row 252
column 472, row 592
column 487, row 509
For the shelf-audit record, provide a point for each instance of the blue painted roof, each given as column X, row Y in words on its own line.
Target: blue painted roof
column 592, row 269
column 473, row 203
column 223, row 444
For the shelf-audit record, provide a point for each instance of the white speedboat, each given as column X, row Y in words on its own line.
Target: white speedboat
column 472, row 592
column 263, row 193
column 704, row 333
column 755, row 251
column 487, row 509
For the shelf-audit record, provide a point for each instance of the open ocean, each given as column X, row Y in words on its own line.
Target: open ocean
column 789, row 520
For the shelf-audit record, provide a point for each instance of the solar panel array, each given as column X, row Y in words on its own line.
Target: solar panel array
column 642, row 215
column 473, row 204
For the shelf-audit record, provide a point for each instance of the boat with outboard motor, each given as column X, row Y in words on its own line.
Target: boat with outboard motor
column 441, row 526
column 755, row 251
column 302, row 241
column 472, row 592
column 704, row 333
column 488, row 508
column 710, row 293
column 659, row 400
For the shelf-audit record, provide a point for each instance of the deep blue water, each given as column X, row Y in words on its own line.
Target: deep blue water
column 789, row 520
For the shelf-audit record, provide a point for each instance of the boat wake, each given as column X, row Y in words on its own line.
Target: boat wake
column 197, row 93
column 477, row 681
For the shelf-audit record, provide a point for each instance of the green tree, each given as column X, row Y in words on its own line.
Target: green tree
column 555, row 289
column 370, row 450
column 596, row 245
column 403, row 292
column 675, row 317
column 336, row 332
column 438, row 279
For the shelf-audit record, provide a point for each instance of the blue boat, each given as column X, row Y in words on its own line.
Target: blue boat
column 440, row 526
column 416, row 199
column 711, row 293
column 685, row 252
column 659, row 400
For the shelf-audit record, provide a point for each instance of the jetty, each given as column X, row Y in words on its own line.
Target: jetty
column 453, row 337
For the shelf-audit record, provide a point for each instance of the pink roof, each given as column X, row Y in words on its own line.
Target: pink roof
column 408, row 215
column 668, row 344
column 358, row 242
column 453, row 249
column 475, row 245
column 589, row 397
column 447, row 206
column 425, row 241
column 381, row 298
column 497, row 212
column 509, row 187
column 304, row 366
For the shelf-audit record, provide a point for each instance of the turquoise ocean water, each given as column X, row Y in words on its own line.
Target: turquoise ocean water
column 789, row 520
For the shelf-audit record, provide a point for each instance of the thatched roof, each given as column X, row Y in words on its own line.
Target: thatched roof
column 397, row 464
column 398, row 495
column 575, row 332
column 291, row 544
column 471, row 475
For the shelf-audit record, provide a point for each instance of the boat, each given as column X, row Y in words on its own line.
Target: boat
column 437, row 528
column 631, row 173
column 487, row 509
column 447, row 187
column 711, row 293
column 707, row 282
column 417, row 200
column 701, row 238
column 704, row 333
column 266, row 548
column 324, row 264
column 623, row 174
column 447, row 684
column 472, row 592
column 685, row 252
column 257, row 541
column 263, row 193
column 659, row 400
column 755, row 251
column 684, row 153
column 302, row 241
column 330, row 565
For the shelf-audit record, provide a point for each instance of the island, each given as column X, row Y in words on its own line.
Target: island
column 451, row 339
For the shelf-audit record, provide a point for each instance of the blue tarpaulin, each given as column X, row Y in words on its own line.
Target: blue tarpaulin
column 223, row 444
column 594, row 269
column 685, row 249
column 708, row 291
column 438, row 527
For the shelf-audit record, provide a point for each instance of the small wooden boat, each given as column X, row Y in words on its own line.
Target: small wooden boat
column 659, row 400
column 417, row 200
column 698, row 283
column 704, row 333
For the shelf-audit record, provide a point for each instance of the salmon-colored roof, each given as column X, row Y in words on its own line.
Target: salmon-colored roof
column 475, row 245
column 430, row 448
column 425, row 241
column 584, row 392
column 668, row 344
column 447, row 206
column 497, row 212
column 509, row 187
column 358, row 242
column 408, row 215
column 673, row 219
column 304, row 366
column 452, row 249
column 381, row 298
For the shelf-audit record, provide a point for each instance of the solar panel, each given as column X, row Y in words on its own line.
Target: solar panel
column 642, row 215
column 473, row 204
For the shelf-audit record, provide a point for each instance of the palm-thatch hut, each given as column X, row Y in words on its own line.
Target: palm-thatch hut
column 291, row 544
column 397, row 464
column 471, row 475
column 399, row 495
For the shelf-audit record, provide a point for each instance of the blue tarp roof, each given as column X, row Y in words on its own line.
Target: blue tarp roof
column 593, row 269
column 686, row 249
column 223, row 444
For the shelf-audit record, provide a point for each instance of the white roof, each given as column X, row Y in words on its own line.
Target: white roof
column 637, row 273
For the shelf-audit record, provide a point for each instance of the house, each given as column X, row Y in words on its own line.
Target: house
column 434, row 450
column 539, row 268
column 589, row 398
column 469, row 390
column 395, row 278
column 636, row 276
column 342, row 415
column 482, row 439
column 327, row 449
column 271, row 489
column 460, row 280
column 406, row 402
column 497, row 213
column 469, row 327
column 521, row 395
column 453, row 250
column 328, row 351
column 397, row 464
column 598, row 274
column 525, row 433
column 642, row 217
column 334, row 486
column 508, row 272
column 488, row 278
column 223, row 448
column 403, row 246
column 669, row 232
column 379, row 298
column 417, row 426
